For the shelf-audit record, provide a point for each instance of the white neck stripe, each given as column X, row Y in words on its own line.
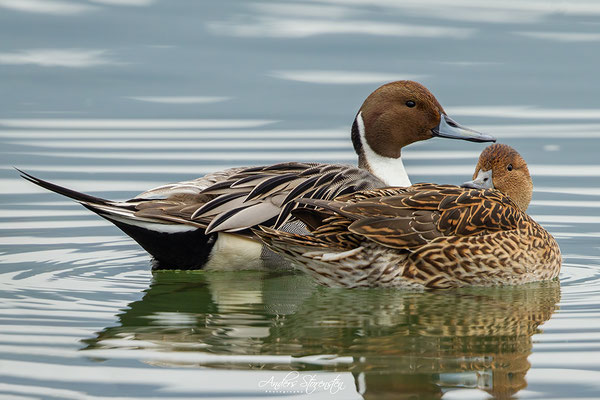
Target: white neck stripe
column 389, row 170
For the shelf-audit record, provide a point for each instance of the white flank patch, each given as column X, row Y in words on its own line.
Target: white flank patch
column 390, row 170
column 234, row 252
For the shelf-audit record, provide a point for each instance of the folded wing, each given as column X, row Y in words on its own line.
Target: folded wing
column 408, row 218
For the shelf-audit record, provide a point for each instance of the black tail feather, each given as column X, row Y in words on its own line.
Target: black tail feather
column 77, row 196
column 185, row 250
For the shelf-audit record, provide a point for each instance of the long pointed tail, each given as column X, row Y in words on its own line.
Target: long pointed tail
column 173, row 245
column 77, row 196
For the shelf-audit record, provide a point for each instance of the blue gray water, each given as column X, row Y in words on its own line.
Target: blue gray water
column 114, row 97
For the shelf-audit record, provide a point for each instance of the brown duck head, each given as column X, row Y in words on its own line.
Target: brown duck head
column 501, row 167
column 396, row 115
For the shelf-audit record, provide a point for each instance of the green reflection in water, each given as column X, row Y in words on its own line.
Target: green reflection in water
column 401, row 344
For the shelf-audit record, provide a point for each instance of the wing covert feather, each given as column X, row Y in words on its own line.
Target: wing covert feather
column 407, row 218
column 240, row 198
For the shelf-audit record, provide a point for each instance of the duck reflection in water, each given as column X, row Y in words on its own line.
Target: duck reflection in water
column 401, row 344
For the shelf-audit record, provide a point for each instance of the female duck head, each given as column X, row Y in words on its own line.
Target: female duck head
column 501, row 167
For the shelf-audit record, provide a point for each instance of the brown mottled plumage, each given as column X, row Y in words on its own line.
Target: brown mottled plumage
column 428, row 235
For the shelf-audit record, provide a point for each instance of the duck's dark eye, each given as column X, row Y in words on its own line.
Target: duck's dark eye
column 509, row 167
column 410, row 104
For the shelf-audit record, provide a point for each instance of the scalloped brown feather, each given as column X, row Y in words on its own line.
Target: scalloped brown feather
column 406, row 218
column 433, row 236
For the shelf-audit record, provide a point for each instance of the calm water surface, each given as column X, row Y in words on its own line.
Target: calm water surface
column 113, row 98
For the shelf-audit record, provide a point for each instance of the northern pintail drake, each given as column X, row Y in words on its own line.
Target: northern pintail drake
column 206, row 223
column 427, row 235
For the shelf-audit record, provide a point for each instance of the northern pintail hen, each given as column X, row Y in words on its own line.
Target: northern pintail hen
column 427, row 235
column 206, row 222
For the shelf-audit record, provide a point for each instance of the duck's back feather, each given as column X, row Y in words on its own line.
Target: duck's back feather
column 433, row 236
column 408, row 218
